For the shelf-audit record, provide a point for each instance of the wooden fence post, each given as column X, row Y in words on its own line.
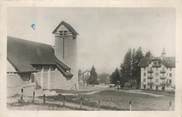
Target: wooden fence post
column 170, row 105
column 21, row 97
column 98, row 104
column 33, row 97
column 130, row 105
column 81, row 102
column 64, row 99
column 44, row 99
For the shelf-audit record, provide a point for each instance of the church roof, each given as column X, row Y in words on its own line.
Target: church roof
column 167, row 61
column 68, row 26
column 22, row 54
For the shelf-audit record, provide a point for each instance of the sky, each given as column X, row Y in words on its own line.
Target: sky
column 105, row 34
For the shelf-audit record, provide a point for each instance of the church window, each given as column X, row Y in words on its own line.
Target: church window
column 61, row 32
column 65, row 32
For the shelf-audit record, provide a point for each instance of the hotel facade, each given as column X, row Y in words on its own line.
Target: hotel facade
column 158, row 73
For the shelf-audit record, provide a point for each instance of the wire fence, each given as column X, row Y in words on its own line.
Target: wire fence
column 80, row 102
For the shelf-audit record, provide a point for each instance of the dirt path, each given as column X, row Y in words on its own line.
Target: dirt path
column 140, row 92
column 93, row 92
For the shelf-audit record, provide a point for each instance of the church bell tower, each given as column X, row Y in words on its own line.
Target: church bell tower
column 65, row 41
column 66, row 45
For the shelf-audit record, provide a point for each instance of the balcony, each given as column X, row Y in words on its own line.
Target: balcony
column 150, row 83
column 150, row 71
column 156, row 65
column 163, row 71
column 163, row 84
column 162, row 77
column 150, row 77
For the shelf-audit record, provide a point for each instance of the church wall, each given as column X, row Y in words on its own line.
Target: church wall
column 56, row 81
column 15, row 82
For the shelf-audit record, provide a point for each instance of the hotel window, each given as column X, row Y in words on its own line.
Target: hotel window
column 170, row 69
column 163, row 68
column 157, row 80
column 156, row 63
column 144, row 74
column 150, row 68
column 144, row 80
column 170, row 81
column 156, row 74
column 170, row 74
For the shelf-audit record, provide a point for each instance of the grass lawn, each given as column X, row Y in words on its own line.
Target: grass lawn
column 108, row 99
column 139, row 101
column 36, row 107
column 118, row 100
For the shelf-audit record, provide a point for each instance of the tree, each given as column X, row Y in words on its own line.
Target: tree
column 103, row 78
column 123, row 77
column 93, row 76
column 148, row 55
column 115, row 77
column 127, row 64
column 130, row 69
column 136, row 68
column 79, row 74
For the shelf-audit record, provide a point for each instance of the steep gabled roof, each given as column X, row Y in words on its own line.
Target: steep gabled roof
column 68, row 26
column 22, row 54
column 167, row 61
column 144, row 62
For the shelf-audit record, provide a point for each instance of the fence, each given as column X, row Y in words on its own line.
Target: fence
column 83, row 103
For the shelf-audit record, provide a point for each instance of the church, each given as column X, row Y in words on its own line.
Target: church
column 32, row 65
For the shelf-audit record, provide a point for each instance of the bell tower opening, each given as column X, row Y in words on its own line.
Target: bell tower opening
column 65, row 41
